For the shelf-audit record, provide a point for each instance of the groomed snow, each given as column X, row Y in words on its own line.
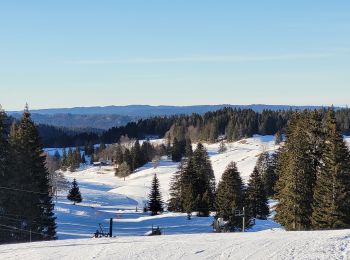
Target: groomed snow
column 271, row 244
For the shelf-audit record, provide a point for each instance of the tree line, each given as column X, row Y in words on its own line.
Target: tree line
column 234, row 123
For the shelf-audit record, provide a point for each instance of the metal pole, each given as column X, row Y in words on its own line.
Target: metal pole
column 30, row 235
column 111, row 227
column 243, row 219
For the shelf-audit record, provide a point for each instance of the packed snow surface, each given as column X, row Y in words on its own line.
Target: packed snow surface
column 271, row 244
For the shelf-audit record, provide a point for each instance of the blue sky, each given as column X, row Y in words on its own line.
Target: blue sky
column 86, row 52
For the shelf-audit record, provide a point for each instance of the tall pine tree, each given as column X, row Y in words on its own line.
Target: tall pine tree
column 331, row 206
column 296, row 177
column 33, row 202
column 256, row 200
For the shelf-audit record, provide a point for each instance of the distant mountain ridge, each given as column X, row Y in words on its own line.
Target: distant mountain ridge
column 103, row 118
column 142, row 111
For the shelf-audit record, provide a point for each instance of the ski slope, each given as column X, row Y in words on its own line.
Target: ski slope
column 106, row 196
column 271, row 244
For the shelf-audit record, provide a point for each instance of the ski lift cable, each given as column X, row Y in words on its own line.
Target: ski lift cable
column 20, row 229
column 16, row 219
column 27, row 191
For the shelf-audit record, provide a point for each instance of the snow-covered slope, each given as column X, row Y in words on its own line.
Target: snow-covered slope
column 106, row 196
column 272, row 244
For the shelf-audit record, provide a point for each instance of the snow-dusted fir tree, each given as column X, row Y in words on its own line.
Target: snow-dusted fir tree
column 155, row 202
column 74, row 194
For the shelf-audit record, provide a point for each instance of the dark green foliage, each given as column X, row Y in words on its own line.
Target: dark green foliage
column 155, row 202
column 74, row 193
column 331, row 206
column 235, row 123
column 204, row 179
column 230, row 197
column 296, row 177
column 188, row 148
column 193, row 186
column 176, row 151
column 137, row 156
column 256, row 200
column 27, row 172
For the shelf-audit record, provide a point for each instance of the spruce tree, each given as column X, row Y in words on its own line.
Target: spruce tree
column 30, row 174
column 137, row 156
column 176, row 151
column 256, row 200
column 204, row 179
column 175, row 190
column 64, row 164
column 188, row 200
column 188, row 148
column 230, row 197
column 296, row 177
column 331, row 206
column 4, row 172
column 155, row 202
column 74, row 193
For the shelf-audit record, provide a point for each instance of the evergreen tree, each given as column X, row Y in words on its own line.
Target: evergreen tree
column 30, row 174
column 4, row 171
column 74, row 193
column 204, row 179
column 71, row 160
column 269, row 178
column 256, row 200
column 128, row 159
column 176, row 154
column 188, row 202
column 296, row 177
column 76, row 159
column 230, row 197
column 155, row 203
column 188, row 148
column 331, row 206
column 137, row 156
column 64, row 163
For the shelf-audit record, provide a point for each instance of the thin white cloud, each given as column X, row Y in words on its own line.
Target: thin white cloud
column 212, row 58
